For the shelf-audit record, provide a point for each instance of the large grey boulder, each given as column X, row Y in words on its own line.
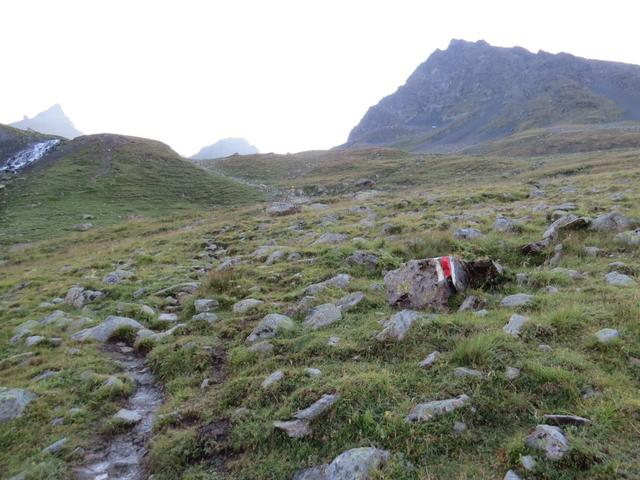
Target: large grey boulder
column 611, row 222
column 104, row 331
column 246, row 305
column 355, row 464
column 630, row 237
column 516, row 322
column 13, row 401
column 397, row 327
column 269, row 327
column 323, row 316
column 279, row 209
column 341, row 280
column 78, row 297
column 551, row 440
column 424, row 412
column 419, row 285
column 619, row 279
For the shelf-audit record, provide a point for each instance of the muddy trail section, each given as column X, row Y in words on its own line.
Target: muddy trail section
column 123, row 457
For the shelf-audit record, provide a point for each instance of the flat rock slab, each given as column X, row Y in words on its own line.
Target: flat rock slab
column 294, row 428
column 341, row 280
column 104, row 331
column 515, row 324
column 246, row 305
column 354, row 464
column 397, row 327
column 272, row 379
column 323, row 316
column 607, row 335
column 127, row 416
column 619, row 279
column 423, row 412
column 349, row 302
column 204, row 305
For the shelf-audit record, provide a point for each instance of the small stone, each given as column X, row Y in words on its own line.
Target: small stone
column 205, row 305
column 466, row 234
column 323, row 316
column 317, row 408
column 397, row 327
column 517, row 300
column 168, row 317
column 55, row 447
column 544, row 348
column 528, row 462
column 329, row 238
column 127, row 416
column 279, row 209
column 205, row 384
column 549, row 439
column 459, row 427
column 349, row 302
column 607, row 335
column 472, row 303
column 511, row 373
column 363, row 259
column 294, row 428
column 619, row 279
column 272, row 379
column 312, row 372
column 208, row 317
column 262, row 348
column 481, row 313
column 357, row 464
column 270, row 326
column 515, row 325
column 13, row 402
column 426, row 411
column 566, row 420
column 340, row 281
column 467, row 372
column 246, row 305
column 333, row 341
column 430, row 359
column 511, row 475
column 34, row 340
column 592, row 251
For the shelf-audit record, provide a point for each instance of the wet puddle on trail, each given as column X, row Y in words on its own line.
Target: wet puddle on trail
column 123, row 456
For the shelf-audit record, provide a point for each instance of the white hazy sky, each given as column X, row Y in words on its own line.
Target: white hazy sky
column 287, row 75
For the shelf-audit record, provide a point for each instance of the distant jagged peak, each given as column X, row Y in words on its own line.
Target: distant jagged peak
column 226, row 147
column 51, row 121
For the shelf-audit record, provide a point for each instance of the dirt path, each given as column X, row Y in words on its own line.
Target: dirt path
column 123, row 456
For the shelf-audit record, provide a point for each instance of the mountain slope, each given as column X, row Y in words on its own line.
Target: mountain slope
column 109, row 177
column 52, row 121
column 14, row 140
column 472, row 93
column 224, row 148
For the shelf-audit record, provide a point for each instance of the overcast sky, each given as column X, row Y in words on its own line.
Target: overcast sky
column 287, row 75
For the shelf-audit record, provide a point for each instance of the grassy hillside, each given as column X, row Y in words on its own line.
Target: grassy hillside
column 108, row 177
column 225, row 430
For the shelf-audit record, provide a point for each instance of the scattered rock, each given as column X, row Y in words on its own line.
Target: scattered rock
column 341, row 280
column 468, row 372
column 185, row 287
column 13, row 401
column 459, row 427
column 505, row 225
column 592, row 251
column 396, row 328
column 511, row 475
column 607, row 335
column 272, row 379
column 329, row 238
column 104, row 331
column 55, row 447
column 355, row 464
column 208, row 317
column 246, row 305
column 279, row 209
column 611, row 222
column 82, row 227
column 333, row 341
column 472, row 303
column 263, row 348
column 323, row 316
column 619, row 279
column 294, row 428
column 511, row 373
column 275, row 257
column 467, row 234
column 168, row 317
column 515, row 324
column 350, row 301
column 204, row 305
column 430, row 359
column 424, row 412
column 566, row 420
column 34, row 340
column 127, row 416
column 630, row 237
column 116, row 277
column 269, row 327
column 363, row 259
column 528, row 462
column 78, row 297
column 312, row 372
column 543, row 347
column 517, row 300
column 549, row 439
column 317, row 408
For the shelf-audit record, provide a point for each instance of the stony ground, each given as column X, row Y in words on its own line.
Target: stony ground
column 270, row 331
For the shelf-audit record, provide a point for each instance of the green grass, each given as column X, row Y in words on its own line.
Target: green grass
column 199, row 435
